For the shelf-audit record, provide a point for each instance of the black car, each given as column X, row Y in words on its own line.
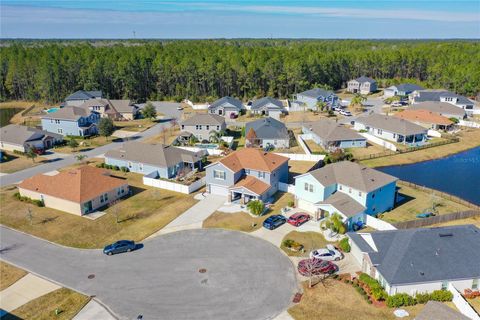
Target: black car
column 119, row 247
column 274, row 222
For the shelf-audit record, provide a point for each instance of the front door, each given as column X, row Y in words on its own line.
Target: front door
column 87, row 207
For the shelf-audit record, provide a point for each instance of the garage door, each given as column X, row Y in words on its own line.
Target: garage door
column 356, row 252
column 218, row 190
column 307, row 206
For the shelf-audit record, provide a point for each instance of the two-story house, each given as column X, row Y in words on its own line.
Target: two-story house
column 362, row 85
column 227, row 107
column 113, row 109
column 267, row 132
column 202, row 125
column 311, row 98
column 79, row 97
column 247, row 174
column 331, row 135
column 345, row 187
column 403, row 89
column 72, row 121
column 392, row 129
column 457, row 100
column 267, row 106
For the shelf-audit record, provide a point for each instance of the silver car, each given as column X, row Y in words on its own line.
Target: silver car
column 329, row 253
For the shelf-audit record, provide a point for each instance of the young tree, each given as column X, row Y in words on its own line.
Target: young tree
column 334, row 222
column 106, row 127
column 322, row 106
column 29, row 216
column 256, row 207
column 173, row 124
column 115, row 209
column 80, row 157
column 149, row 111
column 72, row 143
column 357, row 102
column 31, row 153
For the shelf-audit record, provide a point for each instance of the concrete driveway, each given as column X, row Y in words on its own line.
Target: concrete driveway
column 244, row 277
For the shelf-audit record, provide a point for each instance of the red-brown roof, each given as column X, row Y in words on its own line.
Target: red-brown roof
column 254, row 159
column 77, row 185
column 424, row 116
column 253, row 184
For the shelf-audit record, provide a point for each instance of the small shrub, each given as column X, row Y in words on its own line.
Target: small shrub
column 291, row 203
column 422, row 297
column 441, row 295
column 38, row 203
column 124, row 169
column 400, row 299
column 116, row 168
column 344, row 245
column 369, row 301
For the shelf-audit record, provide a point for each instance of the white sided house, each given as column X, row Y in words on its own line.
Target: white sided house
column 332, row 136
column 420, row 260
column 227, row 107
column 22, row 138
column 268, row 107
column 267, row 132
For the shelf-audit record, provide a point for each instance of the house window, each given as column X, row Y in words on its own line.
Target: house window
column 394, row 135
column 220, row 175
column 349, row 190
column 57, row 121
column 306, row 186
column 379, row 131
column 339, row 187
column 101, row 198
column 373, row 195
column 261, row 174
column 444, row 285
column 218, row 128
column 475, row 284
column 105, row 196
column 129, row 165
column 310, row 188
column 140, row 166
column 359, row 193
column 208, row 127
column 247, row 171
column 60, row 130
column 119, row 191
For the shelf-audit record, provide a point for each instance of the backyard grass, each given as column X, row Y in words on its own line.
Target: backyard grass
column 301, row 116
column 309, row 240
column 68, row 302
column 371, row 149
column 472, row 220
column 14, row 162
column 164, row 138
column 417, row 201
column 145, row 212
column 9, row 275
column 134, row 125
column 314, row 148
column 299, row 167
column 475, row 303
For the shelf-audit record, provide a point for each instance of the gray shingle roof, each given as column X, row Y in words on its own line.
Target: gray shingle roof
column 439, row 107
column 68, row 113
column 158, row 155
column 268, row 128
column 84, row 95
column 257, row 104
column 329, row 130
column 425, row 254
column 408, row 87
column 122, row 106
column 316, row 93
column 391, row 124
column 435, row 95
column 16, row 134
column 204, row 119
column 363, row 79
column 344, row 203
column 435, row 310
column 353, row 175
column 227, row 100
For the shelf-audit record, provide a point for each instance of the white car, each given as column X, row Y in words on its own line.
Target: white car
column 179, row 108
column 346, row 113
column 329, row 253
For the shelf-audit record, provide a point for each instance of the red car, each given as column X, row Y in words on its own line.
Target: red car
column 309, row 267
column 298, row 219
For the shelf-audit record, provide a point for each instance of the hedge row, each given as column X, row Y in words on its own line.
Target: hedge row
column 112, row 167
column 38, row 203
column 376, row 289
column 403, row 299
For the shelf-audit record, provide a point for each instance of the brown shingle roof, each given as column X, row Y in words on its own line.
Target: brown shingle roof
column 77, row 185
column 254, row 159
column 253, row 184
column 424, row 116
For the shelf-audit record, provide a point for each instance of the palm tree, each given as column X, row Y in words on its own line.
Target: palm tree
column 334, row 222
column 256, row 207
column 214, row 136
column 322, row 106
column 357, row 102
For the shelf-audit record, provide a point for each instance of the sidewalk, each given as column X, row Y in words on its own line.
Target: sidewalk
column 94, row 310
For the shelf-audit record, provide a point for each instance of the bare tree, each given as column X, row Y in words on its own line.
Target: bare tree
column 29, row 215
column 163, row 134
column 115, row 209
column 173, row 123
column 310, row 270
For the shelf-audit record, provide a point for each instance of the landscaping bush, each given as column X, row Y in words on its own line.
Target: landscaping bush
column 344, row 245
column 400, row 299
column 38, row 203
column 291, row 203
column 124, row 169
column 376, row 289
column 292, row 244
column 441, row 295
column 116, row 168
column 422, row 297
column 19, row 152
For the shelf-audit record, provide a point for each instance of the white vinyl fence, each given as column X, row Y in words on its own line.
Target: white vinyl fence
column 379, row 141
column 197, row 106
column 211, row 152
column 378, row 224
column 469, row 124
column 462, row 305
column 302, row 157
column 434, row 133
column 149, row 180
column 285, row 187
column 302, row 144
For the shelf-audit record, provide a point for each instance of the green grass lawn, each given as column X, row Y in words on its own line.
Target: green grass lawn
column 309, row 240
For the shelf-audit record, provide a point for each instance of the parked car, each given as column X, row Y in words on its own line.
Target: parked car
column 346, row 113
column 119, row 247
column 274, row 222
column 298, row 219
column 329, row 253
column 308, row 267
column 179, row 108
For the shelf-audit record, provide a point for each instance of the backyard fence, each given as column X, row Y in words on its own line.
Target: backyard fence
column 418, row 223
column 469, row 124
column 302, row 157
column 378, row 224
column 379, row 141
column 462, row 305
column 153, row 181
column 285, row 187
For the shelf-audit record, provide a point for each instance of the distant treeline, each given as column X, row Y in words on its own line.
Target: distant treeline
column 207, row 69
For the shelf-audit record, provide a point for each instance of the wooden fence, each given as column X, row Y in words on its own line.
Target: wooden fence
column 418, row 223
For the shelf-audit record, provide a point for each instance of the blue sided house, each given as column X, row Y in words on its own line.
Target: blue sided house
column 347, row 188
column 72, row 121
column 311, row 98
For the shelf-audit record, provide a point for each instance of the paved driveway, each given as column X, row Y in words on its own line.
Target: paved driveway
column 245, row 278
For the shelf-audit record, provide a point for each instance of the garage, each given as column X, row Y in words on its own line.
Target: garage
column 307, row 206
column 218, row 190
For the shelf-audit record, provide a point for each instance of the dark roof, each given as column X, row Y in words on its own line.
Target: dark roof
column 316, row 93
column 435, row 310
column 257, row 104
column 232, row 101
column 363, row 79
column 435, row 95
column 408, row 87
column 268, row 128
column 439, row 107
column 391, row 124
column 17, row 134
column 84, row 95
column 424, row 254
column 204, row 119
column 329, row 130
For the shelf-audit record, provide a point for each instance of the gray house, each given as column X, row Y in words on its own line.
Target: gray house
column 363, row 85
column 443, row 96
column 420, row 260
column 267, row 132
column 166, row 161
column 331, row 136
column 247, row 174
column 227, row 107
column 80, row 96
column 444, row 109
column 72, row 121
column 310, row 98
column 403, row 89
column 267, row 106
column 21, row 138
column 202, row 125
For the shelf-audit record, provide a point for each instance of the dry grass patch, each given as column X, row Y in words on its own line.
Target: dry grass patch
column 309, row 240
column 299, row 167
column 86, row 144
column 68, row 302
column 15, row 162
column 134, row 125
column 314, row 148
column 371, row 149
column 167, row 137
column 472, row 220
column 301, row 116
column 475, row 303
column 9, row 275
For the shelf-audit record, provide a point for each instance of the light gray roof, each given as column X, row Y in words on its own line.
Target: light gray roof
column 344, row 203
column 391, row 124
column 68, row 113
column 204, row 119
column 435, row 95
column 316, row 93
column 84, row 95
column 123, row 106
column 407, row 87
column 257, row 104
column 439, row 107
column 363, row 79
column 352, row 174
column 425, row 254
column 268, row 128
column 157, row 155
column 329, row 130
column 237, row 104
column 435, row 310
column 16, row 134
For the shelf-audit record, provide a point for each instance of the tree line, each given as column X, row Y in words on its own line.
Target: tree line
column 208, row 69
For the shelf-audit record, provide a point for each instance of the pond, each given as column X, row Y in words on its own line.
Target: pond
column 458, row 174
column 6, row 114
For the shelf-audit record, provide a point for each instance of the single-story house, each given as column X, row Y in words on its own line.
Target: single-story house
column 79, row 191
column 442, row 108
column 392, row 129
column 267, row 106
column 403, row 89
column 443, row 96
column 202, row 125
column 267, row 132
column 247, row 174
column 331, row 135
column 362, row 85
column 348, row 188
column 72, row 121
column 227, row 107
column 22, row 138
column 310, row 98
column 113, row 109
column 426, row 119
column 79, row 97
column 167, row 161
column 420, row 260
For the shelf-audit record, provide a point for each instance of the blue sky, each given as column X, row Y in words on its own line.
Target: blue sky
column 240, row 19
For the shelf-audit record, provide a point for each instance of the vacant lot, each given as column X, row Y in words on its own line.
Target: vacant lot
column 9, row 275
column 164, row 137
column 14, row 162
column 134, row 125
column 85, row 144
column 309, row 240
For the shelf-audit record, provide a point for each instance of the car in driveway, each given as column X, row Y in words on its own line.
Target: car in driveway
column 298, row 219
column 274, row 222
column 329, row 253
column 119, row 247
column 345, row 113
column 309, row 267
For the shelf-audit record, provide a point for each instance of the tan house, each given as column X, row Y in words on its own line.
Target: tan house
column 79, row 191
column 113, row 109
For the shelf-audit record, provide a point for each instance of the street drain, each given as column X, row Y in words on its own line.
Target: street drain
column 203, row 270
column 91, row 276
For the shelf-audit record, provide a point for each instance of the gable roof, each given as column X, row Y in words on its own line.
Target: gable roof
column 68, row 113
column 204, row 119
column 232, row 101
column 351, row 174
column 267, row 128
column 255, row 159
column 434, row 310
column 317, row 93
column 252, row 184
column 435, row 95
column 424, row 254
column 122, row 106
column 259, row 103
column 439, row 107
column 84, row 95
column 391, row 124
column 77, row 185
column 329, row 130
column 423, row 116
column 158, row 155
column 344, row 203
column 363, row 79
column 17, row 134
column 407, row 87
